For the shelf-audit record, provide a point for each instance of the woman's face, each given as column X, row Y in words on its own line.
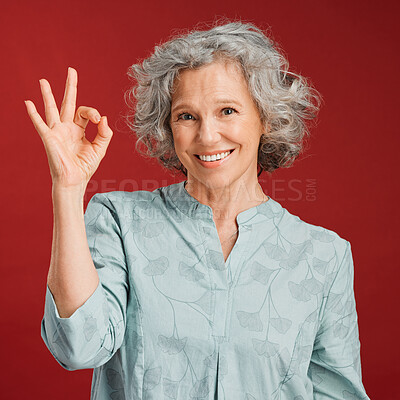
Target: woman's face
column 213, row 112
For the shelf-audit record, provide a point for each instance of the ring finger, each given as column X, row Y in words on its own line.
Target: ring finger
column 50, row 106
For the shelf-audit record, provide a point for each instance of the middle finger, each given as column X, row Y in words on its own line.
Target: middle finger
column 69, row 101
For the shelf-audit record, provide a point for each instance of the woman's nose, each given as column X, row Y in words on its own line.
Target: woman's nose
column 208, row 131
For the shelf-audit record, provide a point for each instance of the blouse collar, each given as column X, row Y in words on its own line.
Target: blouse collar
column 194, row 209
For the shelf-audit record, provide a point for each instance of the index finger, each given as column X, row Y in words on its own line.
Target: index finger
column 68, row 105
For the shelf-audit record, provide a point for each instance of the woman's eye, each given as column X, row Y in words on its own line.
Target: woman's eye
column 185, row 116
column 228, row 111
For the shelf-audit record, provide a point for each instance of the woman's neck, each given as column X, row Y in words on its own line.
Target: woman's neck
column 227, row 201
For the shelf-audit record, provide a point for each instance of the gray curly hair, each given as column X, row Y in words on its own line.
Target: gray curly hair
column 284, row 99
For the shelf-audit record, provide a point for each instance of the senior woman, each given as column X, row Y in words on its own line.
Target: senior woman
column 207, row 288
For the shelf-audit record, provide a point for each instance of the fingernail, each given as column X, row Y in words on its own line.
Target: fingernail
column 97, row 118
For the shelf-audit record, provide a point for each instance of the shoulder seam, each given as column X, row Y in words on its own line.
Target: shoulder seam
column 348, row 246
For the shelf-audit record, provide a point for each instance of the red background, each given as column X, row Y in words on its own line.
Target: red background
column 346, row 181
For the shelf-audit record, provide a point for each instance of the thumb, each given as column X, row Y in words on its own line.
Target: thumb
column 103, row 137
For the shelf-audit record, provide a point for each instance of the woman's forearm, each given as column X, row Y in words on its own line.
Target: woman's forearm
column 72, row 276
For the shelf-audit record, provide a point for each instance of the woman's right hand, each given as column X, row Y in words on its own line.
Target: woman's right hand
column 72, row 158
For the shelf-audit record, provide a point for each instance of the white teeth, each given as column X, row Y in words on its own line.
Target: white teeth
column 214, row 157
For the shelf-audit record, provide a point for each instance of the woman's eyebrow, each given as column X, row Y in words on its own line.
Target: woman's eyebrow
column 226, row 100
column 180, row 106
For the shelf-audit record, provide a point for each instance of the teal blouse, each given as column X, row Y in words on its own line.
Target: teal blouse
column 170, row 319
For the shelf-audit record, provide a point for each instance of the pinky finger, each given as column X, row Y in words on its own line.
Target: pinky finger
column 36, row 119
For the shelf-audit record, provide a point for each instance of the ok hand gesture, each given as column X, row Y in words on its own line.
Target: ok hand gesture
column 72, row 158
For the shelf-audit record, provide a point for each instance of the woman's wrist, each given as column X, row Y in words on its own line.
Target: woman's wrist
column 72, row 190
column 68, row 199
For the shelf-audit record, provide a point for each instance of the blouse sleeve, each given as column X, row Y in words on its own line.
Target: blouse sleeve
column 335, row 367
column 95, row 331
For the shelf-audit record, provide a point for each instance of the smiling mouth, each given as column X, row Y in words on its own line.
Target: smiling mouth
column 216, row 159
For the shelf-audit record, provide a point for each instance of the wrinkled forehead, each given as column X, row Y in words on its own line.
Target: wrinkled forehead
column 232, row 76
